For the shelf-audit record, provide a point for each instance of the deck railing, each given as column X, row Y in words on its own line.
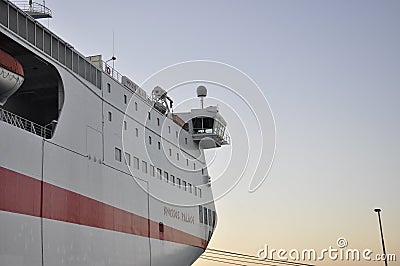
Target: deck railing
column 25, row 124
column 34, row 9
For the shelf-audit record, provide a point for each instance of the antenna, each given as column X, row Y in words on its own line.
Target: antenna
column 113, row 58
column 201, row 93
column 113, row 54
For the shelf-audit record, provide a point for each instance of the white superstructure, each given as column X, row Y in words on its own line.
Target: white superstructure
column 92, row 170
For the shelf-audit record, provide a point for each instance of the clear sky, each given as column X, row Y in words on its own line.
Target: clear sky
column 331, row 73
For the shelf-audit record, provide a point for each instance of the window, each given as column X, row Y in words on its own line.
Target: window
column 209, row 217
column 177, row 156
column 125, row 125
column 176, row 134
column 199, row 189
column 169, row 129
column 195, row 191
column 152, row 171
column 205, row 215
column 187, row 162
column 214, row 218
column 136, row 108
column 118, row 154
column 144, row 167
column 150, row 140
column 149, row 116
column 170, row 152
column 184, row 185
column 109, row 116
column 109, row 87
column 125, row 99
column 159, row 145
column 159, row 173
column 190, row 187
column 137, row 132
column 178, row 182
column 194, row 166
column 158, row 121
column 136, row 163
column 166, row 176
column 127, row 158
column 201, row 214
column 185, row 140
column 202, row 171
column 173, row 180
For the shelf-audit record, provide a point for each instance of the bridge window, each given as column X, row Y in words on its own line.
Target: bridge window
column 152, row 171
column 178, row 182
column 184, row 185
column 203, row 125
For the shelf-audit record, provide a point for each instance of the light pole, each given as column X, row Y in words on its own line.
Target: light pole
column 380, row 226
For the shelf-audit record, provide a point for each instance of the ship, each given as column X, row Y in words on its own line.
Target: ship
column 93, row 169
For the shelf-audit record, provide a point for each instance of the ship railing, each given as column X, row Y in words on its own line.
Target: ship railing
column 221, row 137
column 112, row 72
column 34, row 8
column 25, row 124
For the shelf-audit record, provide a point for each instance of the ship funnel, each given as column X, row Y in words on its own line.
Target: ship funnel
column 201, row 93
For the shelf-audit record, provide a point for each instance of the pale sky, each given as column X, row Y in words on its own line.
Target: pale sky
column 330, row 71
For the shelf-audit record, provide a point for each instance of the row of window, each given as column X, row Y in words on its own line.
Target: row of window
column 170, row 152
column 150, row 139
column 136, row 109
column 157, row 172
column 207, row 216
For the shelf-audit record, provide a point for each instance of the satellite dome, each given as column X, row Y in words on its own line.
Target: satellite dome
column 201, row 91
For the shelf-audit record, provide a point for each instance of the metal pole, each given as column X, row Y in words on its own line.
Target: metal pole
column 380, row 226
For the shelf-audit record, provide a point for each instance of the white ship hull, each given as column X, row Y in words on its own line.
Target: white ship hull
column 66, row 197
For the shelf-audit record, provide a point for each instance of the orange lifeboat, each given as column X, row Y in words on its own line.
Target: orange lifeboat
column 11, row 76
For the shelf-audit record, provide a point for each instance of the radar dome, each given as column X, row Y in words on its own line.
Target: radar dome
column 201, row 91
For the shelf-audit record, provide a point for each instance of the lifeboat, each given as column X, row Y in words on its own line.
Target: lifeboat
column 11, row 76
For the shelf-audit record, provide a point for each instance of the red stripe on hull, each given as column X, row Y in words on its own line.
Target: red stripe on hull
column 22, row 194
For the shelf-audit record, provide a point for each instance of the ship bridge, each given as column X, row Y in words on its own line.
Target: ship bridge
column 206, row 125
column 209, row 128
